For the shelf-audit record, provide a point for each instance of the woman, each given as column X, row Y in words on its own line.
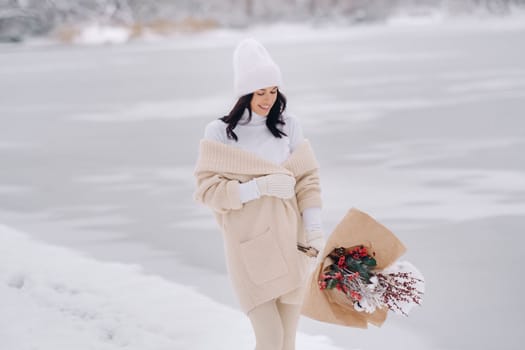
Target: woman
column 260, row 177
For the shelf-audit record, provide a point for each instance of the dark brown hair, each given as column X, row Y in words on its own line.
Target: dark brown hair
column 274, row 118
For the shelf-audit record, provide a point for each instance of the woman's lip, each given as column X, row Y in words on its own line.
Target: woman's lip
column 264, row 107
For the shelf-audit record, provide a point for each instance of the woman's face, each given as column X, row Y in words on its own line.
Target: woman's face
column 263, row 100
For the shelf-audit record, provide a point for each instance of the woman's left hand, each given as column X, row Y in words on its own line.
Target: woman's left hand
column 316, row 244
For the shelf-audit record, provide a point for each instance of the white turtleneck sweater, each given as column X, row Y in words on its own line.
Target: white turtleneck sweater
column 254, row 136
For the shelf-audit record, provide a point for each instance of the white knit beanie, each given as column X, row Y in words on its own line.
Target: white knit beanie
column 253, row 68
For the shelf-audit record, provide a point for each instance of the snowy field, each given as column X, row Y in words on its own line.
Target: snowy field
column 421, row 125
column 53, row 298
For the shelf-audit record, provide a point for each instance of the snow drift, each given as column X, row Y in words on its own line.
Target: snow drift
column 55, row 298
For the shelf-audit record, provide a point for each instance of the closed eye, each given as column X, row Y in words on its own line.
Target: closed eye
column 262, row 92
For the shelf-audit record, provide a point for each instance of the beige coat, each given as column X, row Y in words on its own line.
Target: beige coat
column 260, row 236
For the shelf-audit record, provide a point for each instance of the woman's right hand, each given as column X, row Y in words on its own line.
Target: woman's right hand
column 277, row 185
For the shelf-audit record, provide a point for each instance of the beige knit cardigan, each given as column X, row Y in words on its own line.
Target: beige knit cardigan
column 260, row 236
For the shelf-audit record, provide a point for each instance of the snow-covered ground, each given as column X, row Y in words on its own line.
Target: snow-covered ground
column 421, row 125
column 53, row 298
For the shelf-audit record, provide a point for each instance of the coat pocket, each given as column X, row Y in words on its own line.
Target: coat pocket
column 263, row 258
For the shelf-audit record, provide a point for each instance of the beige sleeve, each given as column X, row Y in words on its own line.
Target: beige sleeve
column 217, row 192
column 308, row 190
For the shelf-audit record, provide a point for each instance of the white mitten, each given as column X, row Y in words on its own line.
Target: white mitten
column 248, row 191
column 315, row 239
column 277, row 185
column 317, row 243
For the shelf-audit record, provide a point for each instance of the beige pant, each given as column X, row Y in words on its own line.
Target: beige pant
column 275, row 325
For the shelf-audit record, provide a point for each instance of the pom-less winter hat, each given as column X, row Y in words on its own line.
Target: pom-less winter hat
column 253, row 68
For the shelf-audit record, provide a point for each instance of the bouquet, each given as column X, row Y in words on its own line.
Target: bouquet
column 358, row 277
column 353, row 280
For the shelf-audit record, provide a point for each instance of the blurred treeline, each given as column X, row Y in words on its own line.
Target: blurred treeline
column 21, row 18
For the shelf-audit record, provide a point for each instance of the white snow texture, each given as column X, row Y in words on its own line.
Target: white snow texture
column 55, row 298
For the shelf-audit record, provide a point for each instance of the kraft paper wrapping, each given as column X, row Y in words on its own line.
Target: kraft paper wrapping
column 356, row 228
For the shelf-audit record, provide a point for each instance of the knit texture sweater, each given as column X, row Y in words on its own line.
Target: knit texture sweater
column 260, row 237
column 254, row 136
